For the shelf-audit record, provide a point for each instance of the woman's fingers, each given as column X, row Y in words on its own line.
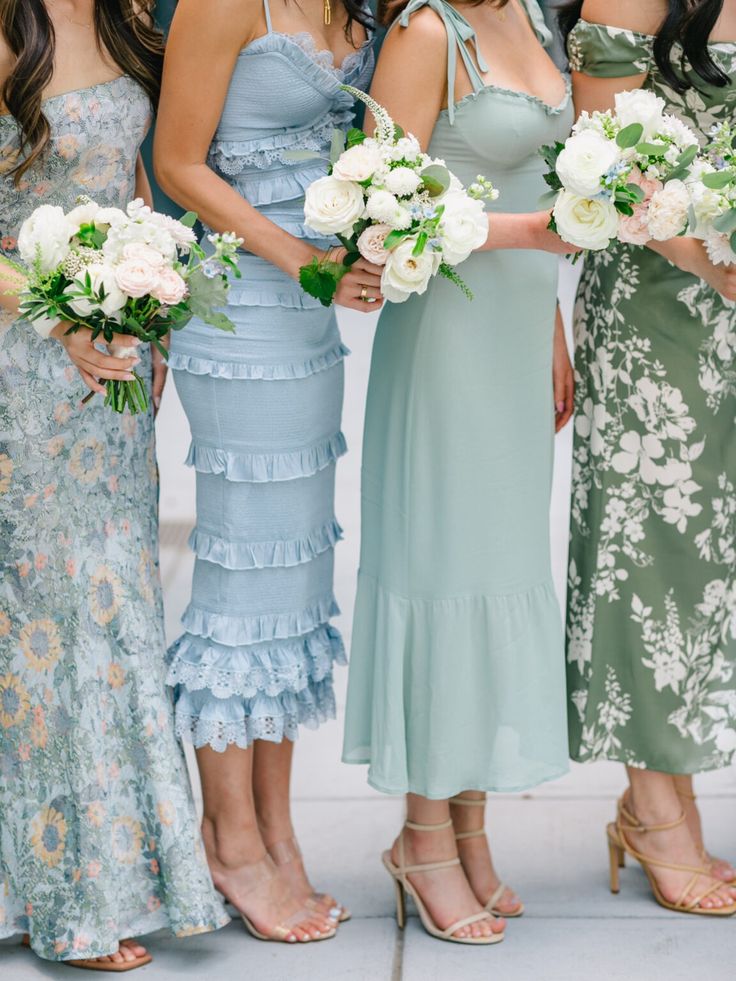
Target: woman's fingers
column 126, row 340
column 93, row 367
column 105, row 362
column 91, row 382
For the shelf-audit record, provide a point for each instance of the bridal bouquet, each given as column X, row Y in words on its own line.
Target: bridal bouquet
column 713, row 195
column 395, row 206
column 123, row 272
column 621, row 175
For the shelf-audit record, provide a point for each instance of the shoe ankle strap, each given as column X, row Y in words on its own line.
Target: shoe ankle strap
column 634, row 824
column 469, row 801
column 686, row 794
column 462, row 835
column 413, row 826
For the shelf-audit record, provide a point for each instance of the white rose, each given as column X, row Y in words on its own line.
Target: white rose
column 384, row 208
column 402, row 181
column 668, row 210
column 586, row 158
column 46, row 235
column 359, row 163
column 370, row 243
column 464, row 227
column 405, row 273
column 332, row 206
column 640, row 106
column 137, row 278
column 100, row 275
column 587, row 223
column 143, row 253
column 170, row 288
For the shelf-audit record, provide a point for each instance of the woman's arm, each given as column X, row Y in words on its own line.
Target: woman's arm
column 211, row 36
column 419, row 52
column 159, row 368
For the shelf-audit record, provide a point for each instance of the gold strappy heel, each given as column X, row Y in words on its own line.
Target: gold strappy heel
column 707, row 857
column 492, row 904
column 261, row 872
column 284, row 852
column 399, row 874
column 619, row 846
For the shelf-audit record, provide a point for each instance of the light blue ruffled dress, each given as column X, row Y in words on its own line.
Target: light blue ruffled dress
column 457, row 662
column 264, row 406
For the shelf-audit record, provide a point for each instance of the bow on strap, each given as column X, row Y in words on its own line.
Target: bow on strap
column 459, row 36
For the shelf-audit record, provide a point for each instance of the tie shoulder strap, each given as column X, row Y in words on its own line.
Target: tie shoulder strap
column 460, row 37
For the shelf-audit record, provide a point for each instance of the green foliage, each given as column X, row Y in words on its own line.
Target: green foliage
column 449, row 273
column 320, row 279
column 726, row 223
column 436, row 179
column 719, row 179
column 630, row 135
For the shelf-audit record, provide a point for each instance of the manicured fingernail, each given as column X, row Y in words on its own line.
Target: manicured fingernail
column 560, row 406
column 129, row 378
column 335, row 912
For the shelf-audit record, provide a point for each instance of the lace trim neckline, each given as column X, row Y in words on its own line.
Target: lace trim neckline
column 518, row 94
column 324, row 57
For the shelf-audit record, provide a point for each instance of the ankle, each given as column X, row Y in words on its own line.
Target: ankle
column 231, row 844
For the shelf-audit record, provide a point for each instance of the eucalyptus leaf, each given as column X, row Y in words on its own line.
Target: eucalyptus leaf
column 189, row 219
column 719, row 179
column 337, row 145
column 726, row 223
column 436, row 179
column 630, row 135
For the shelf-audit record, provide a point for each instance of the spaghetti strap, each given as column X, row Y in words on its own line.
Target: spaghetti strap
column 267, row 12
column 460, row 36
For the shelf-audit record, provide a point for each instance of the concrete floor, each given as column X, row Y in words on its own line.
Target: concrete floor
column 549, row 843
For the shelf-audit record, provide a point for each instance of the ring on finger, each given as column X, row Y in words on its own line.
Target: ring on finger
column 364, row 294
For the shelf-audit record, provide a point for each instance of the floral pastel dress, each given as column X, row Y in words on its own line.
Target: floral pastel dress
column 651, row 625
column 98, row 834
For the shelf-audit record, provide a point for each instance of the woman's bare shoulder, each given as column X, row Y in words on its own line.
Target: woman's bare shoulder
column 642, row 16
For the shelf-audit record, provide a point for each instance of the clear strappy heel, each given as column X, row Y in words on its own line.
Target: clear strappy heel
column 285, row 852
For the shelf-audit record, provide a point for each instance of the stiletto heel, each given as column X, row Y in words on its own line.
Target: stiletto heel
column 619, row 846
column 399, row 874
column 492, row 904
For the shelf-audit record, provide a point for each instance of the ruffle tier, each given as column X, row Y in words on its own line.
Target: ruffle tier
column 266, row 467
column 258, row 372
column 238, row 631
column 264, row 555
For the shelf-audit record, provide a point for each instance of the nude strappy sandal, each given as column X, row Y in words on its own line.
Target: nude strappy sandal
column 707, row 857
column 285, row 852
column 92, row 964
column 492, row 904
column 399, row 874
column 619, row 847
column 261, row 872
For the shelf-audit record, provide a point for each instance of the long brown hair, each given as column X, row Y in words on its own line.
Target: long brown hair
column 123, row 28
column 389, row 10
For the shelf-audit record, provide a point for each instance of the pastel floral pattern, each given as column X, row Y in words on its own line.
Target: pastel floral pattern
column 651, row 628
column 99, row 834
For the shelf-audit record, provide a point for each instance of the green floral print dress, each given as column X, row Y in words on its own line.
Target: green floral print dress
column 651, row 622
column 98, row 835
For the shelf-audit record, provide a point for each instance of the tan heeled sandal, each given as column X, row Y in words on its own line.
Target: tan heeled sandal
column 399, row 874
column 285, row 852
column 93, row 964
column 261, row 872
column 492, row 904
column 619, row 847
column 709, row 859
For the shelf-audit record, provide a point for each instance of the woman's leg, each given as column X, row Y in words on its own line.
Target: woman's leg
column 720, row 868
column 654, row 801
column 475, row 853
column 446, row 892
column 271, row 792
column 236, row 852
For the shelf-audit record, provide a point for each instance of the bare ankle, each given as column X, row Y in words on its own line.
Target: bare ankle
column 231, row 844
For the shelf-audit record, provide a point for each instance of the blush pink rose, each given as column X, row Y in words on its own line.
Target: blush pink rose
column 634, row 229
column 647, row 185
column 170, row 288
column 136, row 277
column 370, row 244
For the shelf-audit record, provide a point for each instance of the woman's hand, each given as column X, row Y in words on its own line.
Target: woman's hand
column 691, row 255
column 563, row 378
column 160, row 371
column 361, row 283
column 92, row 364
column 549, row 241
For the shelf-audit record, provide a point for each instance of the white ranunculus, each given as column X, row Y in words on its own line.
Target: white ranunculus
column 668, row 211
column 100, row 275
column 585, row 222
column 370, row 244
column 45, row 235
column 359, row 163
column 584, row 161
column 464, row 227
column 385, row 208
column 640, row 106
column 332, row 206
column 402, row 181
column 405, row 273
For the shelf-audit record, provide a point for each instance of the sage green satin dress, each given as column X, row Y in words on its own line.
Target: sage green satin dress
column 651, row 620
column 457, row 668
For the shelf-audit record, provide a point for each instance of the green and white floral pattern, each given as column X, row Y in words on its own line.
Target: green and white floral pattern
column 652, row 581
column 98, row 835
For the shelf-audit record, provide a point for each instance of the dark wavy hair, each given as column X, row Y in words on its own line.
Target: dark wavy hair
column 688, row 23
column 123, row 28
column 357, row 11
column 389, row 10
